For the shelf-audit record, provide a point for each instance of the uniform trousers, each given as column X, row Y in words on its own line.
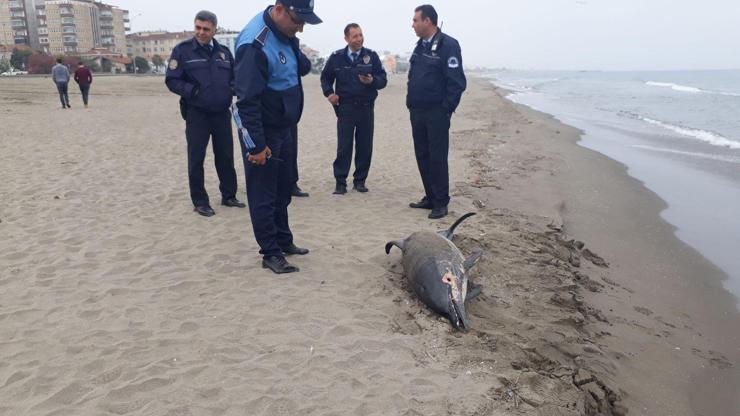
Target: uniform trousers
column 430, row 128
column 355, row 125
column 199, row 128
column 269, row 192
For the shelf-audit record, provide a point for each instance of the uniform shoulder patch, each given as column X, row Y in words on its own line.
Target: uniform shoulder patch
column 173, row 64
column 453, row 62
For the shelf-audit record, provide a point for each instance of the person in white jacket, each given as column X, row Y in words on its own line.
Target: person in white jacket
column 60, row 76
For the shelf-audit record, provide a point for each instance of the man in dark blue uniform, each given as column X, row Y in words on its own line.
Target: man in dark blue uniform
column 359, row 75
column 201, row 72
column 436, row 83
column 269, row 65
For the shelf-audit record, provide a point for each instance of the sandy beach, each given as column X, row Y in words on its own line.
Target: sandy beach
column 116, row 299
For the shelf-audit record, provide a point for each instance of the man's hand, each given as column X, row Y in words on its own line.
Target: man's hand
column 366, row 79
column 333, row 99
column 260, row 158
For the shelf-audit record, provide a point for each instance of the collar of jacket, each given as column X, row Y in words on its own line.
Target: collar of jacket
column 436, row 38
column 196, row 45
column 362, row 52
column 294, row 42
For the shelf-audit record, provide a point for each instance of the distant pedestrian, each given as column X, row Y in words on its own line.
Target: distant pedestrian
column 83, row 77
column 60, row 76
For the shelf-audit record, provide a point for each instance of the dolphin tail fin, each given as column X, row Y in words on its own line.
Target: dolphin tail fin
column 397, row 243
column 451, row 231
column 472, row 260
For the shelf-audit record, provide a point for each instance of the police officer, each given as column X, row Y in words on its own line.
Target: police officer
column 358, row 74
column 436, row 83
column 201, row 72
column 269, row 92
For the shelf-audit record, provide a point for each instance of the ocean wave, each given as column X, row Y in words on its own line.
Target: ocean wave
column 723, row 158
column 693, row 90
column 703, row 135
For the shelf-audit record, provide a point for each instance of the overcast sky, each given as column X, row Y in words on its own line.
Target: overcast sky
column 521, row 34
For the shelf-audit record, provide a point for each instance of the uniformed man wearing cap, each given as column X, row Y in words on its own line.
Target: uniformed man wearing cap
column 435, row 86
column 358, row 75
column 201, row 72
column 269, row 92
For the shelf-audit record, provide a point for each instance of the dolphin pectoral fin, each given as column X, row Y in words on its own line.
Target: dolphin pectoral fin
column 474, row 291
column 472, row 260
column 390, row 244
column 448, row 233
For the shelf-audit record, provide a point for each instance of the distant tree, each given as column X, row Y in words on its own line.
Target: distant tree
column 19, row 58
column 318, row 65
column 158, row 61
column 4, row 65
column 40, row 63
column 142, row 66
column 91, row 64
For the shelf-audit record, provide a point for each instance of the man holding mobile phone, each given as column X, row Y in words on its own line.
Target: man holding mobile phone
column 350, row 81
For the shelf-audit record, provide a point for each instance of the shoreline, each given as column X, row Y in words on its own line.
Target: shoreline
column 601, row 204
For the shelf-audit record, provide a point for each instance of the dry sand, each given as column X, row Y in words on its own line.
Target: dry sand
column 116, row 299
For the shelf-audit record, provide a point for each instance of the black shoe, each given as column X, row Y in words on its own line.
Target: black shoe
column 205, row 211
column 298, row 192
column 341, row 189
column 233, row 202
column 423, row 204
column 438, row 213
column 293, row 249
column 360, row 187
column 278, row 265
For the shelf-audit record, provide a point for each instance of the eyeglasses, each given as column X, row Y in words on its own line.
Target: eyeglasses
column 295, row 19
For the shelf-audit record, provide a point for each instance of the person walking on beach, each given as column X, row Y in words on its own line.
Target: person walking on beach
column 269, row 94
column 83, row 77
column 201, row 72
column 60, row 76
column 358, row 75
column 435, row 85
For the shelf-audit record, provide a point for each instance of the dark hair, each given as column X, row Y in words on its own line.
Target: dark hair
column 80, row 63
column 207, row 16
column 427, row 12
column 59, row 60
column 349, row 27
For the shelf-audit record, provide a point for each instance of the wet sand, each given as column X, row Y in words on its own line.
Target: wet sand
column 118, row 300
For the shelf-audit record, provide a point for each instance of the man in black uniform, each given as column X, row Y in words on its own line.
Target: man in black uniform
column 359, row 75
column 201, row 72
column 436, row 83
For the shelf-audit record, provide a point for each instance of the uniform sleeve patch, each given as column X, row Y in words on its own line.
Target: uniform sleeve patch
column 173, row 64
column 453, row 62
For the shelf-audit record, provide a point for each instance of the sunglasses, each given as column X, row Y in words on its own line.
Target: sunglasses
column 295, row 19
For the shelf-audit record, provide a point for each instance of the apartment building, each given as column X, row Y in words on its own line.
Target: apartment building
column 14, row 29
column 148, row 44
column 76, row 26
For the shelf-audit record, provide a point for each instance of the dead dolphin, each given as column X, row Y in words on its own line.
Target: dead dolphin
column 437, row 271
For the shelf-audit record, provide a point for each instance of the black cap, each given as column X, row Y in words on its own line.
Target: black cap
column 304, row 10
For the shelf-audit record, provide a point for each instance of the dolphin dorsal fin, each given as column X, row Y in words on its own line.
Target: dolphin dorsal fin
column 448, row 233
column 472, row 260
column 398, row 243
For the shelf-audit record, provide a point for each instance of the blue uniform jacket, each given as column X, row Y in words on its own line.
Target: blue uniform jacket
column 202, row 80
column 269, row 66
column 340, row 69
column 436, row 76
